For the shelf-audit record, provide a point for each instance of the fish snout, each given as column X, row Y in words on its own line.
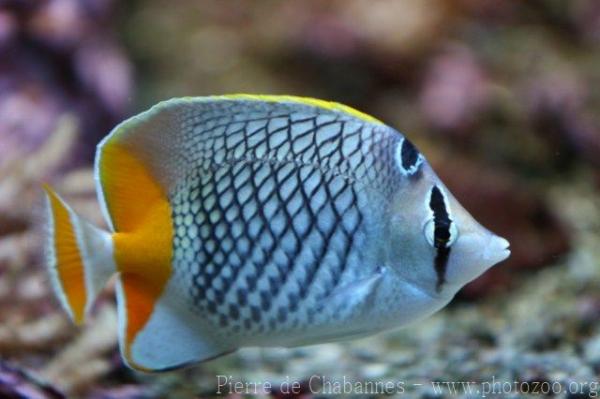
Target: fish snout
column 496, row 250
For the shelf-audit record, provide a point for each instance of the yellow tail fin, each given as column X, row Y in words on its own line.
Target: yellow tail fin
column 79, row 257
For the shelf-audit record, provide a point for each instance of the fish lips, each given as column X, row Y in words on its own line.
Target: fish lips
column 466, row 266
column 497, row 250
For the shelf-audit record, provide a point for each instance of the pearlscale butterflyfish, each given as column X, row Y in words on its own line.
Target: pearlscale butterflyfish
column 251, row 220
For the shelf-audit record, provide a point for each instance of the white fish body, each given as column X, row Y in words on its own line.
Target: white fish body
column 262, row 221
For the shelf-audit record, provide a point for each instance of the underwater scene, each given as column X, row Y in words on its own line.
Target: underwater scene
column 314, row 199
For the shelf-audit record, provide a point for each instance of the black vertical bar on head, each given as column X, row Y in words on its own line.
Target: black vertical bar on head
column 442, row 223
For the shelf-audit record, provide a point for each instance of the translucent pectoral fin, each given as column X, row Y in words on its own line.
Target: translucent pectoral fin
column 339, row 312
column 355, row 295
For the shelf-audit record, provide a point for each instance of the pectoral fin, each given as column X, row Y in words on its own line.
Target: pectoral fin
column 357, row 294
column 347, row 302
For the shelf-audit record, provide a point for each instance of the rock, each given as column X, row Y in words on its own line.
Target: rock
column 18, row 383
column 591, row 351
column 454, row 91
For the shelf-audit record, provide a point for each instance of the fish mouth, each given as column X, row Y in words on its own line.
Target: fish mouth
column 497, row 250
column 505, row 249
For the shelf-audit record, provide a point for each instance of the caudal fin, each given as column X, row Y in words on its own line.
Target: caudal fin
column 79, row 257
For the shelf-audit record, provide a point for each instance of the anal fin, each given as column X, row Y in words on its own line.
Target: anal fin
column 172, row 337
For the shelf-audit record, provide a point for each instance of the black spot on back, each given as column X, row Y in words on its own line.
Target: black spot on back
column 409, row 155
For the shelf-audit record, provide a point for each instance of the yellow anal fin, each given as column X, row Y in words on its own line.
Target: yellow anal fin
column 174, row 336
column 138, row 300
column 65, row 259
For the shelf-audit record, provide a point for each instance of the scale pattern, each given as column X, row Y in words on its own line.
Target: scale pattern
column 273, row 210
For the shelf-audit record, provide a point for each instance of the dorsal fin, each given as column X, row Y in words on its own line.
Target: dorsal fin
column 313, row 102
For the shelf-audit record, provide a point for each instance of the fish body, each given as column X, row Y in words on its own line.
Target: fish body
column 262, row 221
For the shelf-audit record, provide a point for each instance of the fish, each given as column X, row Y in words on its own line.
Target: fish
column 261, row 221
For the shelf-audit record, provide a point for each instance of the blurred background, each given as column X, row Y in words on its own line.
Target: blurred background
column 502, row 97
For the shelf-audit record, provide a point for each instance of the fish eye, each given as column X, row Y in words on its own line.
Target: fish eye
column 446, row 235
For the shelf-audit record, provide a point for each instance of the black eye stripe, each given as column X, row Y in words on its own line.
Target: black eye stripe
column 442, row 222
column 441, row 217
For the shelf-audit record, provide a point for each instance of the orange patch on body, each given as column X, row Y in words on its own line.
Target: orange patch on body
column 141, row 215
column 68, row 258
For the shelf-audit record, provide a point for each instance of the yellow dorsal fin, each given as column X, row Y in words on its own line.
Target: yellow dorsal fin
column 128, row 187
column 315, row 102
